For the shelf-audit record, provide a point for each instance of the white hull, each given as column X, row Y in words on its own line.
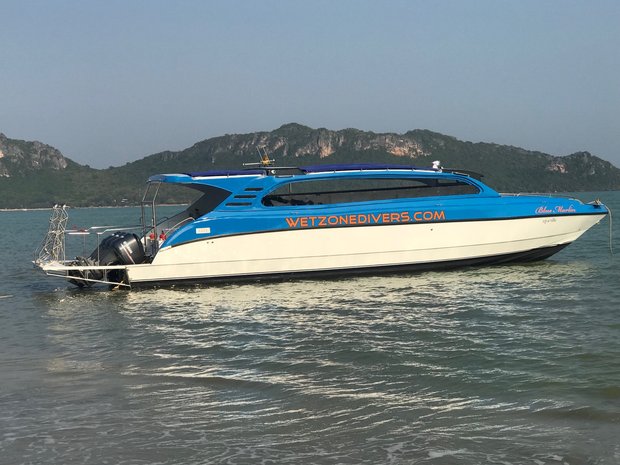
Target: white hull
column 363, row 247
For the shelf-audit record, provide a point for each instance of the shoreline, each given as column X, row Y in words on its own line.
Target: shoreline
column 79, row 208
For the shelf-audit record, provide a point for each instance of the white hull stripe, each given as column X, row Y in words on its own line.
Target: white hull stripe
column 321, row 249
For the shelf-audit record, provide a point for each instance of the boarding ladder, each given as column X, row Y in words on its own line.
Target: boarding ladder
column 52, row 249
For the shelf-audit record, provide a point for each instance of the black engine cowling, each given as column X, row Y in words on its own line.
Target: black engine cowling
column 121, row 248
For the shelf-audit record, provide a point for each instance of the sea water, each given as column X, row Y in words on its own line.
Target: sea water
column 514, row 364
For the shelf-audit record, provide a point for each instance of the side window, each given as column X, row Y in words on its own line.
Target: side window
column 331, row 191
column 452, row 187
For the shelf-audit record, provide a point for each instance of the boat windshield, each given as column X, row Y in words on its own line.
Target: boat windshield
column 192, row 200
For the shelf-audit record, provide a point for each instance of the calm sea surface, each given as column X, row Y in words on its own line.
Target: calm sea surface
column 502, row 365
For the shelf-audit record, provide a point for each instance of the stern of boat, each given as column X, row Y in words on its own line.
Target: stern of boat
column 115, row 249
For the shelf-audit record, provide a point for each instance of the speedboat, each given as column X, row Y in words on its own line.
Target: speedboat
column 271, row 222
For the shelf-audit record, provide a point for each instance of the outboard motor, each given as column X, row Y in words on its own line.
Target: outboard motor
column 121, row 248
column 128, row 248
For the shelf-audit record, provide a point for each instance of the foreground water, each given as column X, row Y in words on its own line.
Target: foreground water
column 503, row 365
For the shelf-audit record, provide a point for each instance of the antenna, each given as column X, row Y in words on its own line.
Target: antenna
column 264, row 158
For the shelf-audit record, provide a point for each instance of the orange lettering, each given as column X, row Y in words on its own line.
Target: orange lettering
column 292, row 223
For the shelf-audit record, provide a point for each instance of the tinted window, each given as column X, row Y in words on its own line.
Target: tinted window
column 328, row 191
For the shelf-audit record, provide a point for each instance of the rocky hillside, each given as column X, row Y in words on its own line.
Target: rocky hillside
column 34, row 174
column 506, row 168
column 18, row 157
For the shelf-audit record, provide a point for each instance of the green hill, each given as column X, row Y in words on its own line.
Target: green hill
column 33, row 174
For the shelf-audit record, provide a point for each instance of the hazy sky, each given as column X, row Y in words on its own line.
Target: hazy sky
column 112, row 81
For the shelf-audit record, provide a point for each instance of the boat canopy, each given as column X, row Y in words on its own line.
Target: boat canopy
column 234, row 180
column 359, row 167
column 189, row 177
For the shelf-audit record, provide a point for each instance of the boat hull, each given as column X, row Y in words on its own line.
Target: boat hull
column 363, row 249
